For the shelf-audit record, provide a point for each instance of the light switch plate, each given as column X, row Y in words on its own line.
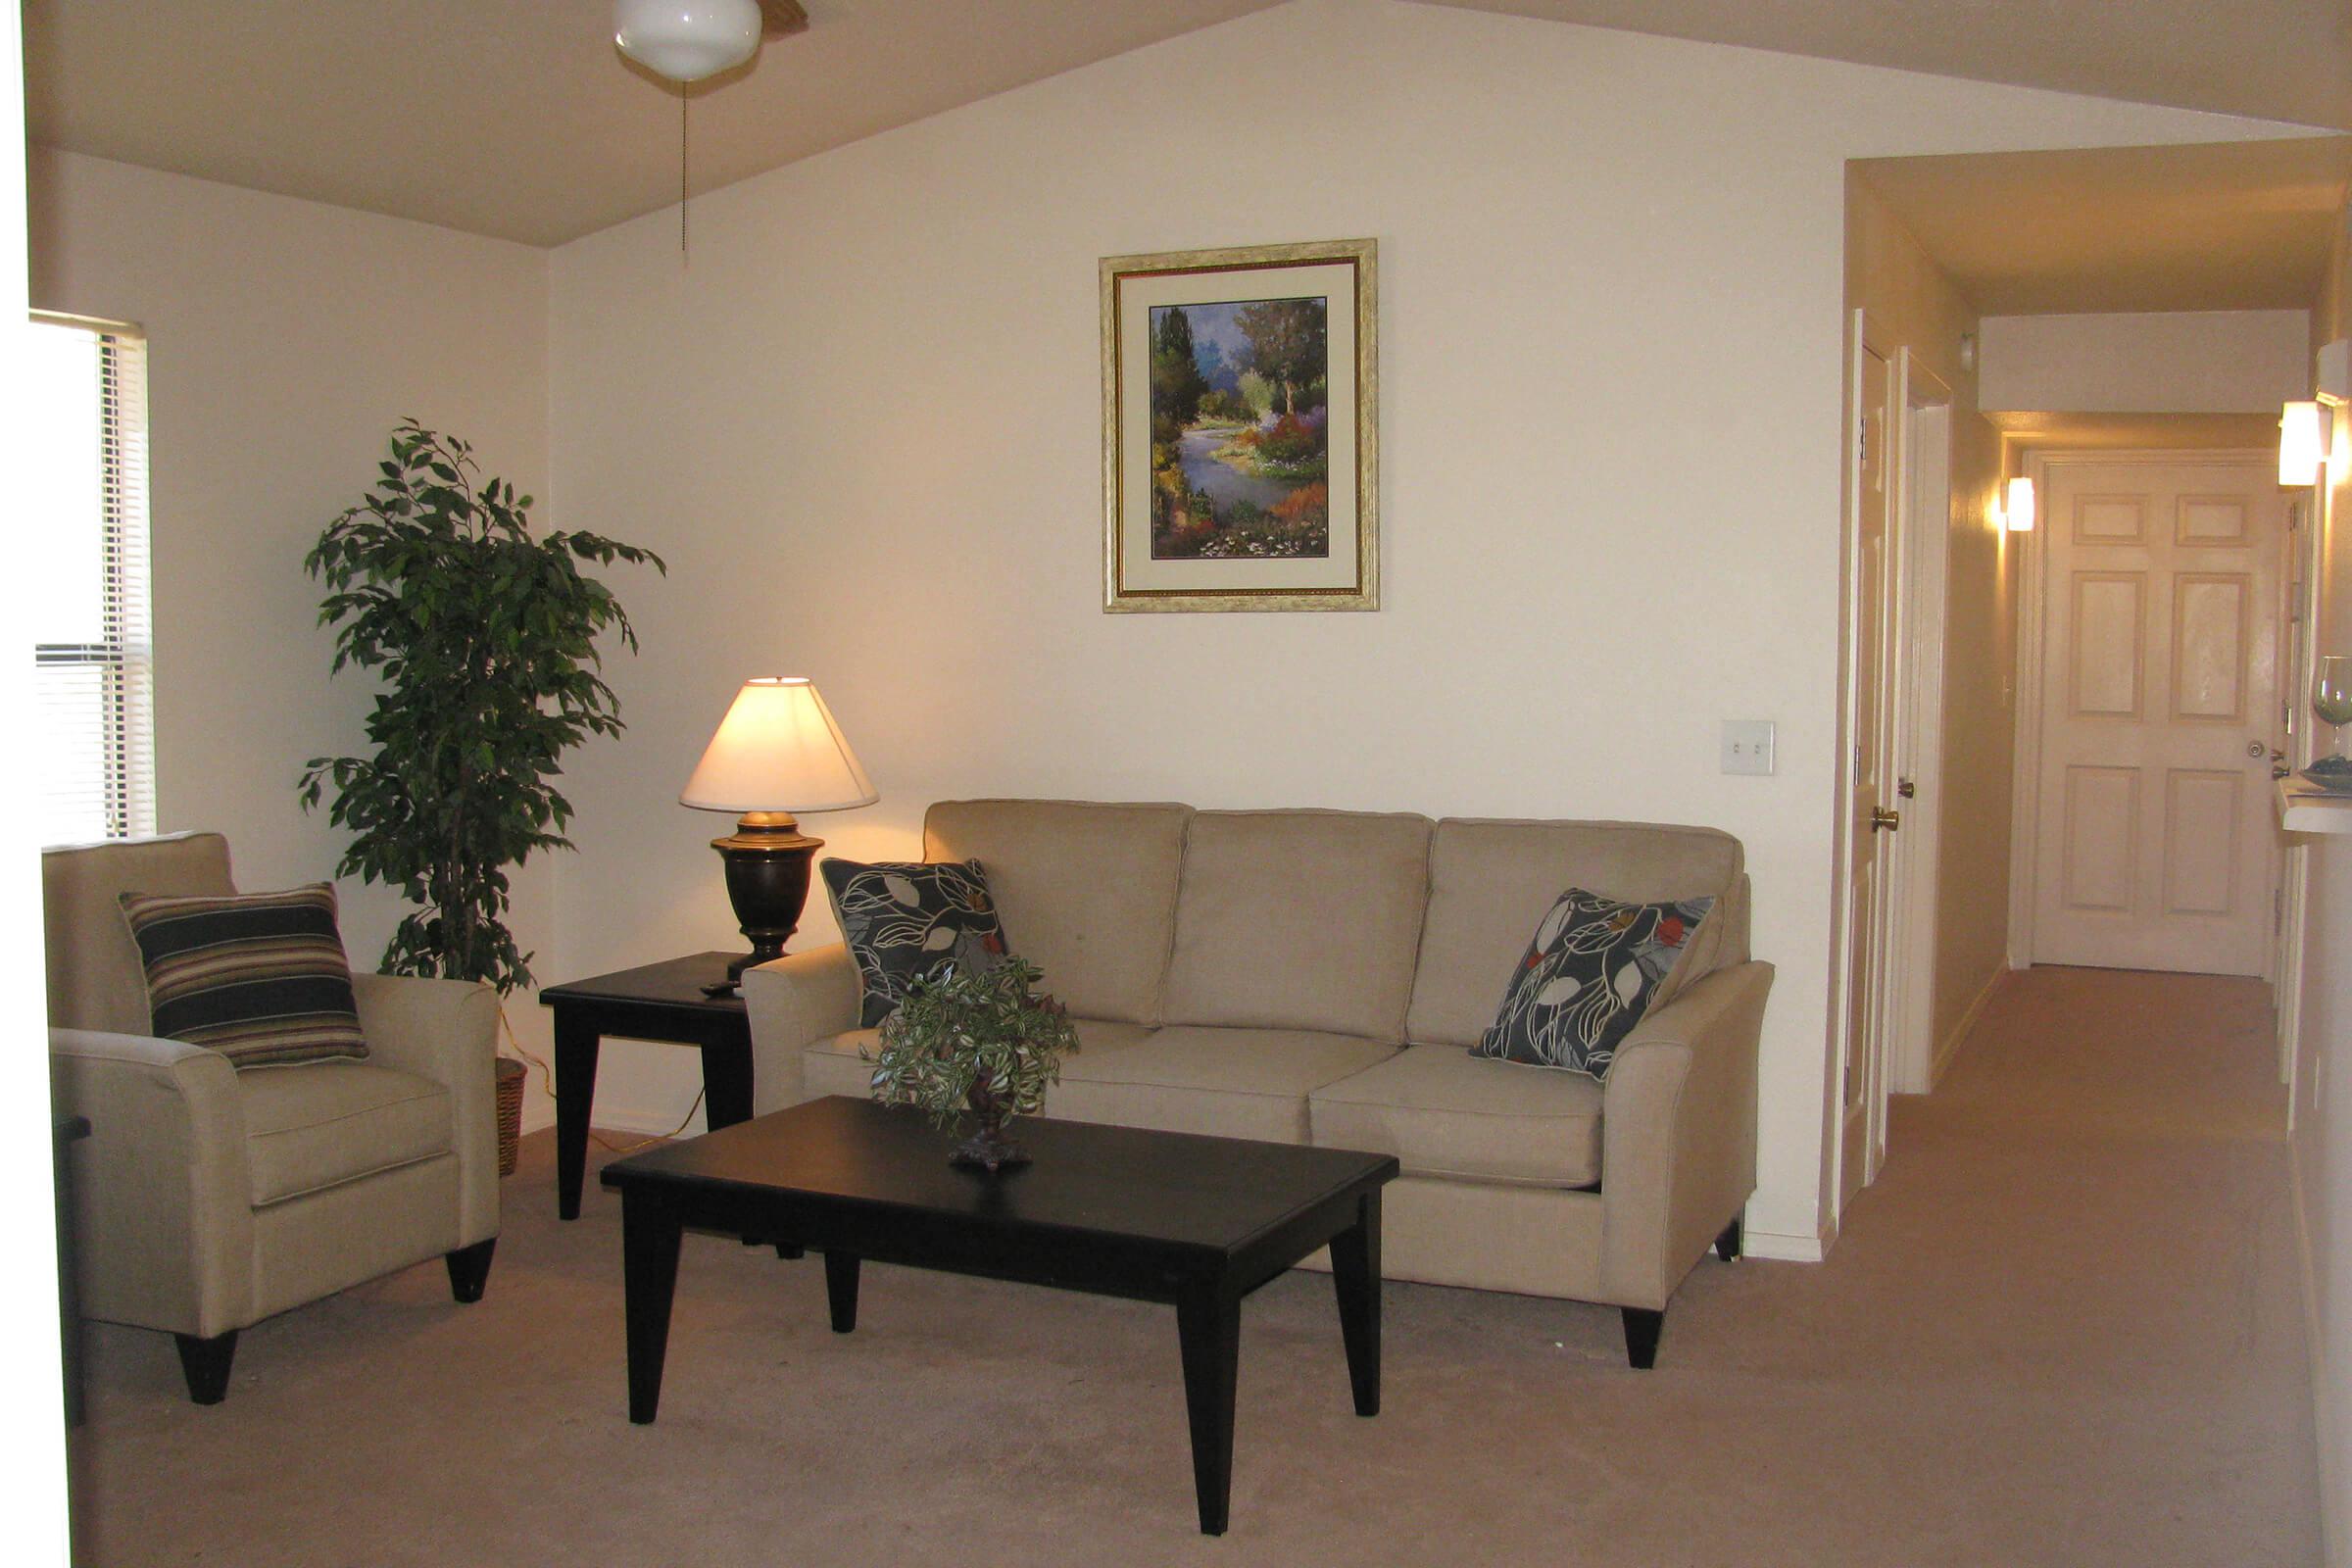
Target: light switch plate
column 1747, row 745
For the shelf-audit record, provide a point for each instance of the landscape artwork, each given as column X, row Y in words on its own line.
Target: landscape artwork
column 1239, row 429
column 1239, row 396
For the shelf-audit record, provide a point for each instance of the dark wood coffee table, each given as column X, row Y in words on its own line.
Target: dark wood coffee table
column 1198, row 1222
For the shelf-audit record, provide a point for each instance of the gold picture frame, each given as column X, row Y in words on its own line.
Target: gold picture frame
column 1241, row 428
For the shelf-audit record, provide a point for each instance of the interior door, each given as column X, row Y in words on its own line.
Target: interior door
column 1872, row 791
column 2159, row 701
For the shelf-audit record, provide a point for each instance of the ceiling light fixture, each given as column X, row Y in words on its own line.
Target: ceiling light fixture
column 687, row 40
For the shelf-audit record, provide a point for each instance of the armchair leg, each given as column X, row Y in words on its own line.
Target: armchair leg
column 1728, row 1245
column 205, row 1363
column 469, row 1269
column 1641, row 1328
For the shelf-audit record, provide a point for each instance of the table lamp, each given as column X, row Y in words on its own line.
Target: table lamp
column 777, row 751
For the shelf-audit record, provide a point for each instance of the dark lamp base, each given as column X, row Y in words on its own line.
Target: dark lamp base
column 767, row 859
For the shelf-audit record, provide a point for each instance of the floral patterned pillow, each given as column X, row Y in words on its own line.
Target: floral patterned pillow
column 906, row 923
column 1587, row 979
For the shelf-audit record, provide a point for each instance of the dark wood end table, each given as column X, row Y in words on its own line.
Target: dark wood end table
column 662, row 1002
column 1197, row 1222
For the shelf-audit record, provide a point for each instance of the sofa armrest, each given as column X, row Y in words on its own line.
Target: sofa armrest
column 162, row 1193
column 794, row 1002
column 1678, row 1134
column 447, row 1031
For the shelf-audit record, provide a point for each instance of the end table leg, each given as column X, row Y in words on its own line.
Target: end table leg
column 1208, row 1327
column 1356, row 1276
column 575, row 1096
column 649, row 1243
column 727, row 1078
column 841, row 1289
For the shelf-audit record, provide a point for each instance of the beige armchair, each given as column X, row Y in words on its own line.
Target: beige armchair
column 206, row 1198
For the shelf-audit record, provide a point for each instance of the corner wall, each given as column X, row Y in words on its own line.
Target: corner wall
column 1911, row 304
column 862, row 422
column 286, row 339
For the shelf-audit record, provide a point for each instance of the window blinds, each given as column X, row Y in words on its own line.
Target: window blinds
column 93, row 658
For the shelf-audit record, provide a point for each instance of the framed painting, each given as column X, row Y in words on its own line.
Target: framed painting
column 1241, row 429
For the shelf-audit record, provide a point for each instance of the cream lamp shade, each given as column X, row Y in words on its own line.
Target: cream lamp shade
column 778, row 749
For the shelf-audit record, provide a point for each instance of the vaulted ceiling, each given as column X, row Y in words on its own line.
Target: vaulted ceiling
column 516, row 118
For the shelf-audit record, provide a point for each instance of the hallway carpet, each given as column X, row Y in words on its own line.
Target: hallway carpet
column 2063, row 1328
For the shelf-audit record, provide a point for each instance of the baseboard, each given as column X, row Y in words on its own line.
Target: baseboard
column 1781, row 1247
column 2337, row 1552
column 1950, row 1046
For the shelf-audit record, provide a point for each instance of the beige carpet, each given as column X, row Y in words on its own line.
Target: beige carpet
column 2063, row 1328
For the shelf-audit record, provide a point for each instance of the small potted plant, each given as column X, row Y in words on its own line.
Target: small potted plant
column 984, row 1043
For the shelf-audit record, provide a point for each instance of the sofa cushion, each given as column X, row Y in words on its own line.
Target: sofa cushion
column 1233, row 1083
column 904, row 923
column 1490, row 882
column 834, row 1066
column 321, row 1123
column 260, row 977
column 1088, row 891
column 1587, row 979
column 1443, row 1112
column 1301, row 920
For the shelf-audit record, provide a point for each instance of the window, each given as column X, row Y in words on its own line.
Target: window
column 93, row 662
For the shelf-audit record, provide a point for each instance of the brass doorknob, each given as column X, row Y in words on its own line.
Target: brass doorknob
column 1881, row 817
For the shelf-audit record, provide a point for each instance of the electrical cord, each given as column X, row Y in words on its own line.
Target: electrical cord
column 547, row 1076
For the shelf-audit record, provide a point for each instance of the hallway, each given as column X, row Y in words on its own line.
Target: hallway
column 2080, row 1270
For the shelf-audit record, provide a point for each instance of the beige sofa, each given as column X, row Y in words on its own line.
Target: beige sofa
column 206, row 1198
column 1316, row 977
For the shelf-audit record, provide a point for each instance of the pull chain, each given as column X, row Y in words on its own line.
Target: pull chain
column 681, row 176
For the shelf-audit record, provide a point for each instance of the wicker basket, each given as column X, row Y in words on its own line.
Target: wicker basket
column 510, row 1112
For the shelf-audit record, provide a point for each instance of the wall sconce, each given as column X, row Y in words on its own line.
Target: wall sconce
column 2019, row 513
column 2302, row 444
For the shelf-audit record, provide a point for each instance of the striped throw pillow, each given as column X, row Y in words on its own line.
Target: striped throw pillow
column 259, row 977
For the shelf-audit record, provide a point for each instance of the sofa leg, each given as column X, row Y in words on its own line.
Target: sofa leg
column 469, row 1269
column 1727, row 1245
column 205, row 1363
column 1641, row 1326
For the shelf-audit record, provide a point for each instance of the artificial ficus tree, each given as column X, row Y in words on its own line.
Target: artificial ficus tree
column 483, row 638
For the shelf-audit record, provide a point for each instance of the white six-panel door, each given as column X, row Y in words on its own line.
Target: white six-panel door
column 2159, row 702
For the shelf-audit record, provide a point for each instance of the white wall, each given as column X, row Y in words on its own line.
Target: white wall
column 286, row 339
column 863, row 425
column 2187, row 362
column 33, row 1493
column 2322, row 1121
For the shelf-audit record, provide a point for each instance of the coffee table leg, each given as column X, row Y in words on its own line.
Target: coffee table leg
column 576, row 1095
column 649, row 1245
column 1355, row 1277
column 841, row 1289
column 1208, row 1327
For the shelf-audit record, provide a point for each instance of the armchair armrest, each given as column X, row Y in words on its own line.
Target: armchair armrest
column 163, row 1195
column 794, row 1002
column 1679, row 1133
column 447, row 1031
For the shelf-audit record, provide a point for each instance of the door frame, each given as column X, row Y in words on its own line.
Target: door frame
column 2025, row 800
column 2304, row 518
column 1923, row 569
column 1863, row 340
